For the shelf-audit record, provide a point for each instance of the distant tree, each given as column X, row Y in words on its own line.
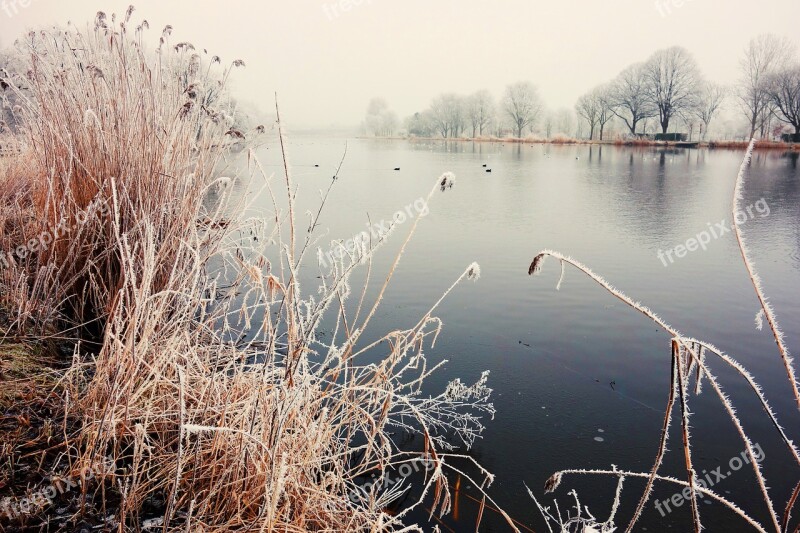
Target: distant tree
column 588, row 108
column 448, row 114
column 549, row 119
column 605, row 103
column 711, row 98
column 764, row 122
column 420, row 125
column 440, row 116
column 480, row 111
column 565, row 121
column 380, row 121
column 389, row 124
column 522, row 105
column 458, row 117
column 672, row 80
column 629, row 98
column 783, row 88
column 595, row 107
column 763, row 56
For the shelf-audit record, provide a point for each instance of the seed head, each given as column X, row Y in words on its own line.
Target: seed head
column 446, row 181
column 536, row 265
column 474, row 272
column 552, row 484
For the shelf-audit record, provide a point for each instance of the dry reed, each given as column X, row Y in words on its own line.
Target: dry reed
column 206, row 384
column 688, row 356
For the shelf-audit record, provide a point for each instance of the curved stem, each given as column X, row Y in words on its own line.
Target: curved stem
column 756, row 280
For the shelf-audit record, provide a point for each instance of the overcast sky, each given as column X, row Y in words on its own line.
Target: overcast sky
column 326, row 61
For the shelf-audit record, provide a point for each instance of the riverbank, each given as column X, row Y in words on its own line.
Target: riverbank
column 714, row 145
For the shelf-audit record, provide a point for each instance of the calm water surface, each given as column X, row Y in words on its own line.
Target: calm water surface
column 580, row 380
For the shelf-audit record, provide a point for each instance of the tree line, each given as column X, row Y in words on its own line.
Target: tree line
column 658, row 95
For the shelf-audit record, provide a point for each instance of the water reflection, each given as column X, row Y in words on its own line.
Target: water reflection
column 552, row 353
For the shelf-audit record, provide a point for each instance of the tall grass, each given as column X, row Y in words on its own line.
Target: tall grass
column 206, row 385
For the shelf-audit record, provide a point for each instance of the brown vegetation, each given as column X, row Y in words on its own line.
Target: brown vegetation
column 199, row 395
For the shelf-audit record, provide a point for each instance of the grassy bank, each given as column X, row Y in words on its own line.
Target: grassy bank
column 198, row 395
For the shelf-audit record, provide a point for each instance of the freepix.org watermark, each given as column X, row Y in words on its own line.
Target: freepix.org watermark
column 12, row 7
column 389, row 479
column 665, row 7
column 44, row 497
column 375, row 232
column 714, row 232
column 45, row 239
column 337, row 8
column 707, row 479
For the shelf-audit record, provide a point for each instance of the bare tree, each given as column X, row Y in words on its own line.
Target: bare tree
column 595, row 108
column 565, row 121
column 458, row 116
column 763, row 56
column 420, row 125
column 380, row 121
column 672, row 80
column 783, row 89
column 765, row 118
column 439, row 115
column 549, row 119
column 448, row 114
column 629, row 97
column 522, row 105
column 588, row 108
column 389, row 124
column 480, row 111
column 606, row 107
column 710, row 100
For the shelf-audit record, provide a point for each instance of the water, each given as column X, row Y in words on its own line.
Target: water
column 580, row 380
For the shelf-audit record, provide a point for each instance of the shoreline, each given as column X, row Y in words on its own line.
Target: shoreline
column 712, row 145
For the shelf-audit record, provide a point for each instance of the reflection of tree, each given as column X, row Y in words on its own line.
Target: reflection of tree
column 647, row 190
column 776, row 178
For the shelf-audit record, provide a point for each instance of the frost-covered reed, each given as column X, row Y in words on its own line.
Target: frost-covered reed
column 202, row 374
column 689, row 361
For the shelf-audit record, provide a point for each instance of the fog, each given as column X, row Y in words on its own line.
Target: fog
column 327, row 58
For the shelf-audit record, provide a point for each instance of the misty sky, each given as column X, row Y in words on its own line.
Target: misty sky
column 326, row 62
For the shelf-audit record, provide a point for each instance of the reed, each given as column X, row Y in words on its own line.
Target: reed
column 688, row 359
column 760, row 145
column 202, row 384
